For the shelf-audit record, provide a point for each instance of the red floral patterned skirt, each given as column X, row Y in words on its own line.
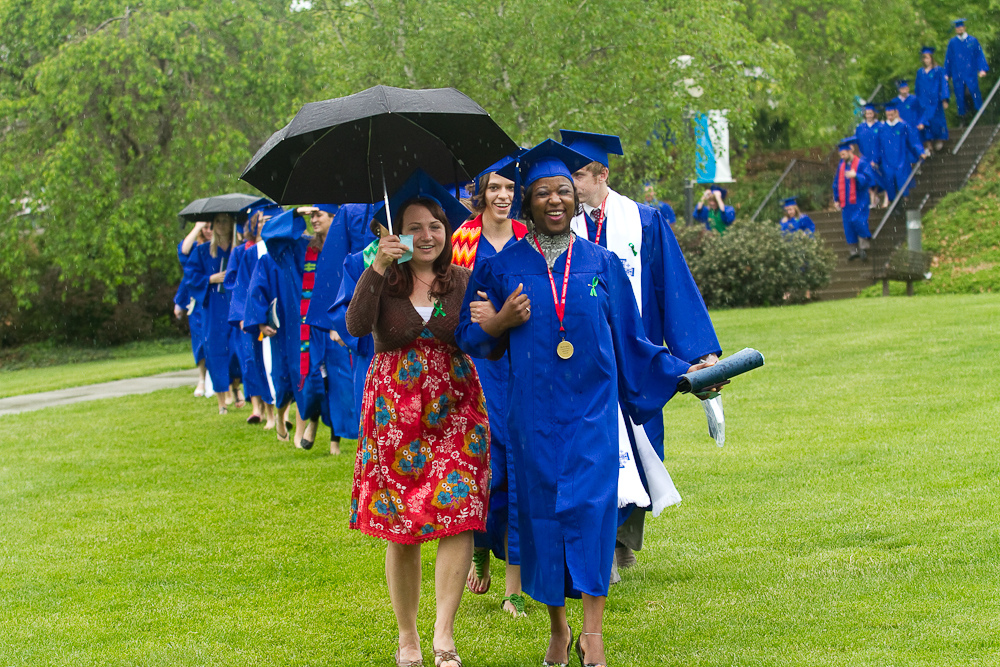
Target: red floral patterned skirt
column 422, row 470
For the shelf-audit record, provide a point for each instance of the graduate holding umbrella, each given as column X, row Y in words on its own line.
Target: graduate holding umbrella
column 423, row 467
column 567, row 316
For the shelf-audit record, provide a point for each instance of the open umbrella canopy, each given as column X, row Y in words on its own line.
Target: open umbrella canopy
column 205, row 208
column 356, row 148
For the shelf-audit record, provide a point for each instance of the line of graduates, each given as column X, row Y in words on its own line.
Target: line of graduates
column 562, row 516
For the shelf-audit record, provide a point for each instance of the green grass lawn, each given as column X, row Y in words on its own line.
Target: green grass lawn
column 44, row 367
column 847, row 521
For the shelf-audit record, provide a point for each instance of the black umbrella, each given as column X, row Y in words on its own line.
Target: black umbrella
column 205, row 209
column 358, row 148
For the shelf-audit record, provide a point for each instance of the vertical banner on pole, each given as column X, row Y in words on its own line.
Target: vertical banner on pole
column 711, row 132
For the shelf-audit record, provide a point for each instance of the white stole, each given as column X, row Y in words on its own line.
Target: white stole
column 623, row 232
column 266, row 343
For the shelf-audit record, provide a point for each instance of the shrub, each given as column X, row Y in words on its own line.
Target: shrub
column 754, row 265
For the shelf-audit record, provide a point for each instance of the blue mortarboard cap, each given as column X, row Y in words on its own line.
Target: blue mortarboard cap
column 902, row 83
column 719, row 189
column 892, row 104
column 593, row 145
column 247, row 211
column 329, row 208
column 871, row 106
column 927, row 49
column 420, row 184
column 791, row 201
column 958, row 22
column 500, row 164
column 846, row 143
column 549, row 158
column 285, row 226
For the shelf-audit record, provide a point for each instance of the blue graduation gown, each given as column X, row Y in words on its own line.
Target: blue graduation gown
column 803, row 223
column 562, row 418
column 356, row 219
column 932, row 90
column 501, row 521
column 249, row 348
column 666, row 210
column 362, row 349
column 900, row 147
column 673, row 311
column 963, row 62
column 855, row 216
column 183, row 298
column 219, row 337
column 910, row 110
column 340, row 411
column 869, row 147
column 278, row 275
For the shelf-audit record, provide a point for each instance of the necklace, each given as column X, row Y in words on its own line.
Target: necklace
column 438, row 304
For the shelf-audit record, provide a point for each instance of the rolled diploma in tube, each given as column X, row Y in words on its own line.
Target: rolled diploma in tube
column 745, row 360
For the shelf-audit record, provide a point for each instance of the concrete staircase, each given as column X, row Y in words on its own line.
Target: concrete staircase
column 940, row 174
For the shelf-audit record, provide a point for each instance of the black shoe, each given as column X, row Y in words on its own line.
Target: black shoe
column 853, row 256
column 306, row 444
column 863, row 255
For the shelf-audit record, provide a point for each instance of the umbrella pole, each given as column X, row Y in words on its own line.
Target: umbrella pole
column 385, row 197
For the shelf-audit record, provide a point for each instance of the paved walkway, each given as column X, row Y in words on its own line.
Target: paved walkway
column 93, row 392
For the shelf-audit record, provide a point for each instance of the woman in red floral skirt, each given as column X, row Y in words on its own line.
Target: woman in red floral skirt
column 422, row 468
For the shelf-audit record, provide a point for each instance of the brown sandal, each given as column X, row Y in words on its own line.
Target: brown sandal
column 446, row 656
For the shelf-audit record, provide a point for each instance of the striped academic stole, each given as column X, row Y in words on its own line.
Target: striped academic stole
column 308, row 283
column 465, row 241
column 842, row 185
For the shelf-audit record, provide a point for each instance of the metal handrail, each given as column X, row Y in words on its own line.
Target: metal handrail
column 899, row 195
column 986, row 103
column 774, row 188
column 874, row 93
column 982, row 154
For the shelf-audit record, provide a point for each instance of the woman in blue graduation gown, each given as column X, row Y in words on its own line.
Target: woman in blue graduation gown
column 184, row 301
column 476, row 240
column 208, row 271
column 278, row 279
column 569, row 366
column 249, row 347
column 795, row 220
column 932, row 91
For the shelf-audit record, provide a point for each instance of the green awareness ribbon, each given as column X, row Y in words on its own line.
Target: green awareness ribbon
column 438, row 308
column 593, row 286
column 632, row 245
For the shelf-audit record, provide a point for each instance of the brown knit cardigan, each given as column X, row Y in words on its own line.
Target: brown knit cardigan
column 392, row 321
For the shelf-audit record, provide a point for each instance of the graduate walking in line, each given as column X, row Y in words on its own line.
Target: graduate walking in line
column 899, row 149
column 932, row 90
column 867, row 134
column 422, row 470
column 665, row 209
column 712, row 211
column 276, row 305
column 490, row 231
column 186, row 303
column 348, row 232
column 964, row 65
column 566, row 314
column 672, row 310
column 850, row 196
column 208, row 271
column 909, row 107
column 250, row 347
column 795, row 220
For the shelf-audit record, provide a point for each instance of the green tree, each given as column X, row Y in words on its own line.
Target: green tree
column 115, row 116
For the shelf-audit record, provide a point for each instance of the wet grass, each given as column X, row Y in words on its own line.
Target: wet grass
column 850, row 519
column 45, row 367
